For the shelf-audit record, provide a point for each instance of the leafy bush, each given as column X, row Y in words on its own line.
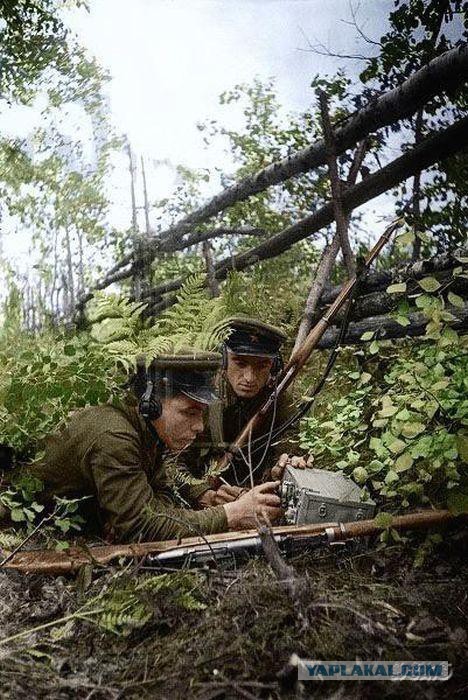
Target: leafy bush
column 45, row 378
column 401, row 435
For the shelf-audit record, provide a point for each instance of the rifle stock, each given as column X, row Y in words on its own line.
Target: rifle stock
column 71, row 560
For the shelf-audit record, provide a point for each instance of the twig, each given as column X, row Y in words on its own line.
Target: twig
column 73, row 616
column 26, row 540
column 327, row 259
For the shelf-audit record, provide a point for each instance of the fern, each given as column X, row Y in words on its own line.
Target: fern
column 196, row 320
column 130, row 604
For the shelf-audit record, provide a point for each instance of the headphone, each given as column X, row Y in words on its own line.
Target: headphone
column 276, row 367
column 146, row 388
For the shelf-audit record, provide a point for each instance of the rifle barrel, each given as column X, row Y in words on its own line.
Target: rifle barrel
column 70, row 561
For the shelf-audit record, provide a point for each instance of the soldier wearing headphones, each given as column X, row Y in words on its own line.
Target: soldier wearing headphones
column 251, row 362
column 116, row 455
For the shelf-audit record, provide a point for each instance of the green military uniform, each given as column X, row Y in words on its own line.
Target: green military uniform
column 113, row 455
column 226, row 418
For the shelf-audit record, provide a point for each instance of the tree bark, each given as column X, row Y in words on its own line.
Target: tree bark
column 377, row 281
column 341, row 219
column 439, row 146
column 70, row 281
column 137, row 253
column 378, row 303
column 145, row 198
column 387, row 328
column 213, row 284
column 447, row 70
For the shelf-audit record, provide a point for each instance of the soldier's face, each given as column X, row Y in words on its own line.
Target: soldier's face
column 180, row 422
column 247, row 374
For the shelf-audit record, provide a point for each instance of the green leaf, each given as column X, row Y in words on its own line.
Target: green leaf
column 455, row 300
column 374, row 347
column 360, row 475
column 410, row 430
column 462, row 445
column 403, row 320
column 442, row 384
column 375, row 466
column 368, row 335
column 383, row 519
column 69, row 350
column 404, row 462
column 397, row 446
column 391, row 477
column 405, row 238
column 398, row 288
column 429, row 284
column 388, row 411
column 17, row 515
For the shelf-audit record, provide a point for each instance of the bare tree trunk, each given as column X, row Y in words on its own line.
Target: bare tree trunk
column 66, row 296
column 54, row 273
column 33, row 309
column 442, row 9
column 213, row 283
column 386, row 328
column 145, row 198
column 70, row 282
column 341, row 218
column 327, row 259
column 136, row 278
column 80, row 261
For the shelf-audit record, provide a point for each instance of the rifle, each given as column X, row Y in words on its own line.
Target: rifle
column 301, row 355
column 223, row 548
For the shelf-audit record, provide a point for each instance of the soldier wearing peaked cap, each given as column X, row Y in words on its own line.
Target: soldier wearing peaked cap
column 251, row 362
column 116, row 455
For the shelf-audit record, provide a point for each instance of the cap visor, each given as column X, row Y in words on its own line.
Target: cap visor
column 252, row 353
column 200, row 394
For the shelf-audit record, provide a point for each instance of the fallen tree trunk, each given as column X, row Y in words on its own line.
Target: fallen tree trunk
column 448, row 70
column 380, row 302
column 439, row 146
column 387, row 328
column 376, row 281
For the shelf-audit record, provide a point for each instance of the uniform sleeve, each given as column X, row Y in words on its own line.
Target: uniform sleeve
column 131, row 507
column 192, row 464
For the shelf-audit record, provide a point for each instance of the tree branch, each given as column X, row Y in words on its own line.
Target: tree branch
column 447, row 70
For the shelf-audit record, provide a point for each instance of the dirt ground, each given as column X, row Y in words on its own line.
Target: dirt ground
column 130, row 633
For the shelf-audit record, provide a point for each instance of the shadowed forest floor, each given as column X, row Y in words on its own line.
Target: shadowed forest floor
column 232, row 634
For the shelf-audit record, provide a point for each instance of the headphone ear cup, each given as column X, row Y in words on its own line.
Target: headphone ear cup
column 149, row 405
column 155, row 407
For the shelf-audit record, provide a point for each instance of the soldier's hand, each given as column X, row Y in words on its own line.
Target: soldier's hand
column 225, row 494
column 286, row 460
column 259, row 505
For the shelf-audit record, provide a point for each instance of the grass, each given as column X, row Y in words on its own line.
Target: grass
column 233, row 634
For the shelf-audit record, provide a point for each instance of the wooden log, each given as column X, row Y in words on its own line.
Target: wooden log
column 439, row 146
column 387, row 328
column 376, row 281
